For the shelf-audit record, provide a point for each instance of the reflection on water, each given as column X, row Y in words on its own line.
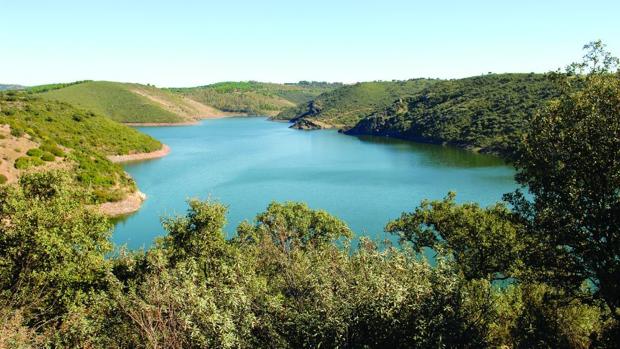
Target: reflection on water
column 440, row 155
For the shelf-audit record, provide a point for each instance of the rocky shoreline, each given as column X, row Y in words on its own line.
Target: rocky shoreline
column 133, row 201
column 128, row 205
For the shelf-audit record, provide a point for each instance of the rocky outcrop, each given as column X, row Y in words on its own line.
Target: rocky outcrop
column 386, row 123
column 306, row 124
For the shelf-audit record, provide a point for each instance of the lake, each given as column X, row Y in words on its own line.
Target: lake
column 248, row 162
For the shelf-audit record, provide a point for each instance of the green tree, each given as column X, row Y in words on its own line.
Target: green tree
column 483, row 242
column 52, row 256
column 294, row 225
column 570, row 163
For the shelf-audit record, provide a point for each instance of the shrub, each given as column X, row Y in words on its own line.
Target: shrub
column 47, row 156
column 102, row 195
column 3, row 179
column 16, row 132
column 35, row 152
column 8, row 112
column 53, row 148
column 26, row 162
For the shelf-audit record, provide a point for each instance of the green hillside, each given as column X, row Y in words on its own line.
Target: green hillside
column 347, row 105
column 256, row 98
column 115, row 100
column 80, row 137
column 485, row 112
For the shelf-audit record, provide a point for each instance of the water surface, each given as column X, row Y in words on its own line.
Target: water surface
column 248, row 162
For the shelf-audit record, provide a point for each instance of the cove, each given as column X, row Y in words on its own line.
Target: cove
column 248, row 162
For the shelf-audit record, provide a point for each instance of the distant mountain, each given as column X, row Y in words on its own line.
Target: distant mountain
column 256, row 98
column 5, row 87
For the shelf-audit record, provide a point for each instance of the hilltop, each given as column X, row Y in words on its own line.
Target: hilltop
column 131, row 103
column 136, row 103
column 344, row 106
column 256, row 98
column 40, row 134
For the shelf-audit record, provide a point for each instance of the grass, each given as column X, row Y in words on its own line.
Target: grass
column 87, row 136
column 115, row 100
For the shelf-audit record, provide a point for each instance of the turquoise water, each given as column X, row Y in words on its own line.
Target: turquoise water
column 248, row 162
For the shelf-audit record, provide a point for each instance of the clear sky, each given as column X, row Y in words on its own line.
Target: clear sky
column 187, row 43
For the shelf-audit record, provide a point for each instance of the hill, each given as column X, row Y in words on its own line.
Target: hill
column 126, row 102
column 345, row 106
column 486, row 113
column 256, row 98
column 40, row 134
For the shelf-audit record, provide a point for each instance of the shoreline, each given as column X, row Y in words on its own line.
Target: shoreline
column 157, row 124
column 183, row 123
column 131, row 204
column 165, row 150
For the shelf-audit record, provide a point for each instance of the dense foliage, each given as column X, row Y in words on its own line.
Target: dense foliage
column 88, row 138
column 256, row 98
column 289, row 279
column 487, row 112
column 345, row 106
column 570, row 163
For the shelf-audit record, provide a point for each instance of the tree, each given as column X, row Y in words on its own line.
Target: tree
column 294, row 225
column 570, row 163
column 484, row 242
column 52, row 256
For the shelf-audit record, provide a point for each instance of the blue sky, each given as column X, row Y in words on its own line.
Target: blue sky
column 187, row 43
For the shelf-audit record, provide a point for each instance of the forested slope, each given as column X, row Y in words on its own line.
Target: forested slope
column 487, row 112
column 345, row 106
column 74, row 138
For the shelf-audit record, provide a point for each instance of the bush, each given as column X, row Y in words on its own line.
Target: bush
column 3, row 179
column 26, row 162
column 47, row 156
column 35, row 152
column 102, row 195
column 16, row 132
column 8, row 112
column 54, row 149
